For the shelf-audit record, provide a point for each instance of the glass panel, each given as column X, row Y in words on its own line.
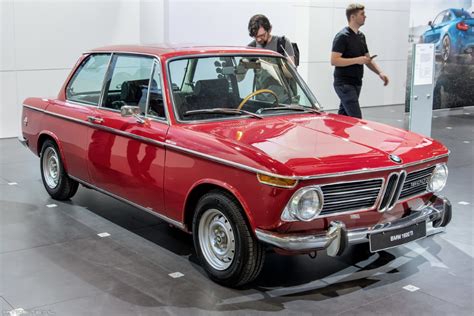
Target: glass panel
column 86, row 84
column 128, row 84
column 156, row 106
column 225, row 82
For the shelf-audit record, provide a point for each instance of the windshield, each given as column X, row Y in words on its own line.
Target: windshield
column 207, row 87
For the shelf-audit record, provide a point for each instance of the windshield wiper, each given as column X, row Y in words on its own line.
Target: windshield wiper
column 222, row 111
column 291, row 108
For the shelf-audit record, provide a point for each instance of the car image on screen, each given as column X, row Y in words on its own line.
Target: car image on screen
column 452, row 33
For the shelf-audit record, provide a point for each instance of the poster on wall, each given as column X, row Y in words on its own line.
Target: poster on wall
column 449, row 26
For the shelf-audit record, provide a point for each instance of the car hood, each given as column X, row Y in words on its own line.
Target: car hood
column 311, row 144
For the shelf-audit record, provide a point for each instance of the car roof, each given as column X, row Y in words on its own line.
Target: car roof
column 166, row 51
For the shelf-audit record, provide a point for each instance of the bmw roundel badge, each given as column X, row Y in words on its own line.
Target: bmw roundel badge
column 395, row 158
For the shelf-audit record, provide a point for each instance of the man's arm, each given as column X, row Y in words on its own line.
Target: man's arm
column 339, row 61
column 376, row 69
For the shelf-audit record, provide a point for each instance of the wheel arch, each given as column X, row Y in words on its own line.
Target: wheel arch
column 51, row 136
column 207, row 185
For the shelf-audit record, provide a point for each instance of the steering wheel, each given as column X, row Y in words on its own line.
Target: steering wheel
column 254, row 94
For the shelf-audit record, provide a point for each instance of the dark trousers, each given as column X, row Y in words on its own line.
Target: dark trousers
column 349, row 95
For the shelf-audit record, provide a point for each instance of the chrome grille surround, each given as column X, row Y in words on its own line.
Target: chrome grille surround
column 416, row 183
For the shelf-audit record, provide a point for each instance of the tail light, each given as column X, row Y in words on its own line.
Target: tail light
column 462, row 26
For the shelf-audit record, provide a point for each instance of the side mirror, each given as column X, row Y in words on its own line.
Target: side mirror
column 129, row 110
column 430, row 23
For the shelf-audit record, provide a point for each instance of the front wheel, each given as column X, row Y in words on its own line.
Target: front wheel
column 55, row 180
column 227, row 249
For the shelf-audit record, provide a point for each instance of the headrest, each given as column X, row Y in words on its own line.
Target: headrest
column 130, row 92
column 211, row 87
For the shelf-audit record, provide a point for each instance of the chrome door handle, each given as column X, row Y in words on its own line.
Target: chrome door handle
column 94, row 119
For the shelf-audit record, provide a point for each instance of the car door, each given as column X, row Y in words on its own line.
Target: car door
column 75, row 109
column 126, row 154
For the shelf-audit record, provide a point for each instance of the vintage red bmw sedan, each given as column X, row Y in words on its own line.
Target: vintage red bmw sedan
column 230, row 145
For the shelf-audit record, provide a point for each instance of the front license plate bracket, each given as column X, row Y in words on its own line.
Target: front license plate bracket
column 397, row 237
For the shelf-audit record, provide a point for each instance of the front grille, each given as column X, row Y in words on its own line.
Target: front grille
column 350, row 196
column 416, row 182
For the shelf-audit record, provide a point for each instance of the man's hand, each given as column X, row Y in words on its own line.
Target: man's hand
column 363, row 60
column 384, row 78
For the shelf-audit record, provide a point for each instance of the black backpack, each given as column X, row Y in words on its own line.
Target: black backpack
column 280, row 48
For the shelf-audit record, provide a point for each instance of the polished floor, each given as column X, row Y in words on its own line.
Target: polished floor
column 52, row 261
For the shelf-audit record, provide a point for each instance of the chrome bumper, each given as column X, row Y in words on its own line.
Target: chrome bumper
column 437, row 211
column 23, row 141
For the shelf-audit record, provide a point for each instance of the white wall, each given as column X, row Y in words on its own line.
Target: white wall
column 41, row 40
column 312, row 24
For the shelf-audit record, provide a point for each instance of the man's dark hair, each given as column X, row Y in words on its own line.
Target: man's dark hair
column 353, row 8
column 257, row 21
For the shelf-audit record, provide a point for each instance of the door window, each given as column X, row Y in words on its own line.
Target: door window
column 128, row 82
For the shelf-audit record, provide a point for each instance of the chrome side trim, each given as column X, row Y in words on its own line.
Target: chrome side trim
column 245, row 167
column 101, row 127
column 148, row 210
column 435, row 210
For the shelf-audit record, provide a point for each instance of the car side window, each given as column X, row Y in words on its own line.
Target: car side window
column 128, row 82
column 156, row 107
column 447, row 17
column 86, row 84
column 439, row 18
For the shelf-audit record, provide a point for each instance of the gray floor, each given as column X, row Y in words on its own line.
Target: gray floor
column 52, row 262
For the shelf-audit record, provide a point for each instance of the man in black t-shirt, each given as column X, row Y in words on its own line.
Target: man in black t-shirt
column 349, row 55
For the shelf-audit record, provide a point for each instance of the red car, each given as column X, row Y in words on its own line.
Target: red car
column 229, row 144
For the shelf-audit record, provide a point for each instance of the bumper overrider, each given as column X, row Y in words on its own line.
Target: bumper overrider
column 436, row 211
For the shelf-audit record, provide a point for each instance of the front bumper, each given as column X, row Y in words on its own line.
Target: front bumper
column 436, row 211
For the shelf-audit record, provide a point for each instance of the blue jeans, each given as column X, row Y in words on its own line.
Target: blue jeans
column 349, row 95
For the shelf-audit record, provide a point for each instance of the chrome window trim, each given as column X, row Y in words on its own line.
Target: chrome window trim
column 168, row 61
column 82, row 104
column 148, row 210
column 255, row 170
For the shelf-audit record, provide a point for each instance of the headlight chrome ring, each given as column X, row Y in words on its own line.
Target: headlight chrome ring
column 305, row 204
column 438, row 178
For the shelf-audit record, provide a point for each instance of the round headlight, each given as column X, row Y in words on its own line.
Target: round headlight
column 438, row 178
column 306, row 203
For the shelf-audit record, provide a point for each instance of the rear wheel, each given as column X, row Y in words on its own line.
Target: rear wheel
column 227, row 249
column 55, row 180
column 446, row 49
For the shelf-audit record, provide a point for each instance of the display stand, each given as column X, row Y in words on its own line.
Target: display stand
column 421, row 96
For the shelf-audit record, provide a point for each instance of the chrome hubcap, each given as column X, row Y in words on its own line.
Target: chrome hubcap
column 216, row 239
column 446, row 49
column 51, row 167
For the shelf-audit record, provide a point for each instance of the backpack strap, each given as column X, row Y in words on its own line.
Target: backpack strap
column 281, row 44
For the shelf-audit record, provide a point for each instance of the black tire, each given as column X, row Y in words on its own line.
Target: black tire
column 55, row 180
column 240, row 267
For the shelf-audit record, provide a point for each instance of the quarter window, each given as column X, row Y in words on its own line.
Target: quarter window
column 86, row 84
